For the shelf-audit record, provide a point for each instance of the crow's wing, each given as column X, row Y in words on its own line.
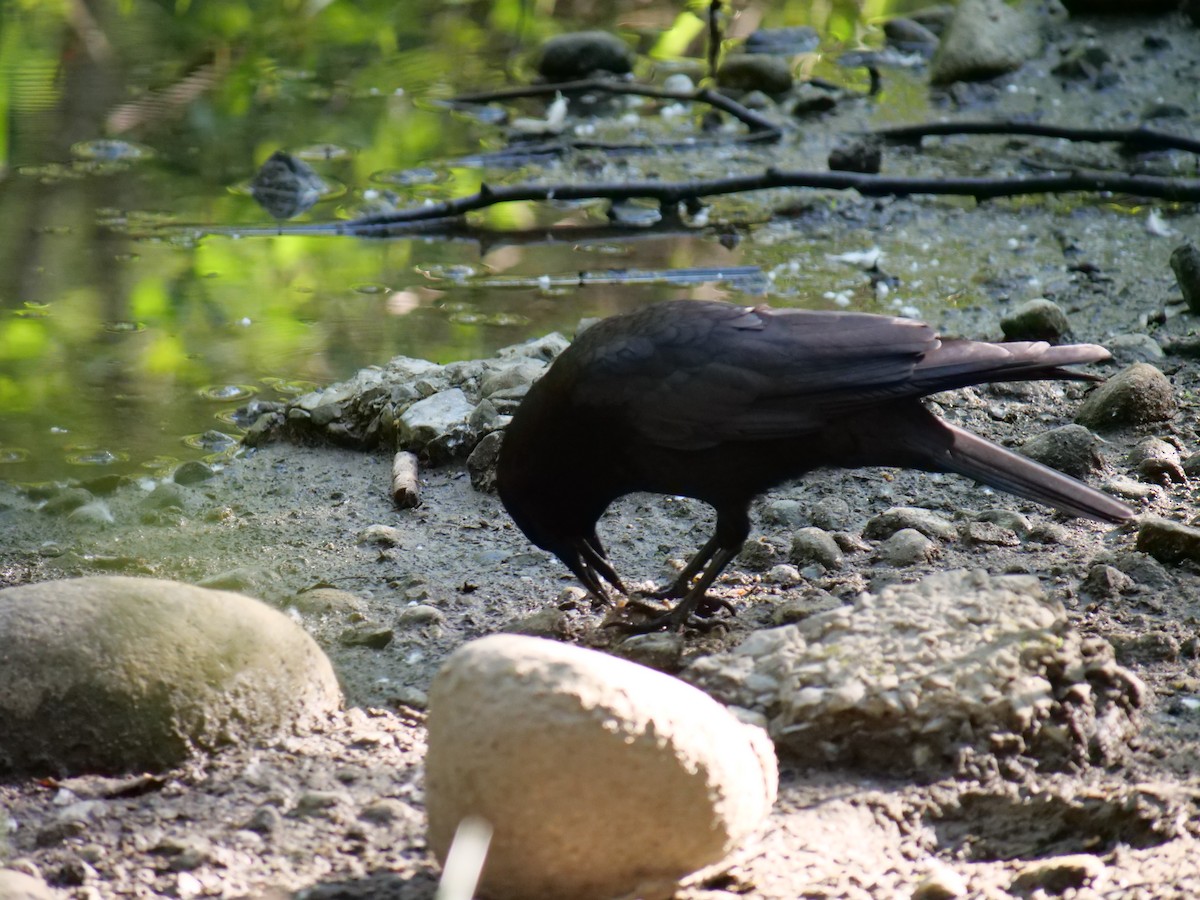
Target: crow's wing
column 690, row 374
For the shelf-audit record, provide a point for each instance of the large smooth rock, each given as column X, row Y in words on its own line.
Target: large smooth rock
column 115, row 674
column 985, row 38
column 600, row 777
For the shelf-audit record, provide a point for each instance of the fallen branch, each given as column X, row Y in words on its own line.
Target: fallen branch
column 1141, row 138
column 672, row 193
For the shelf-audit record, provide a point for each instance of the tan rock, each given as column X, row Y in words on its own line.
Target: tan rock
column 599, row 776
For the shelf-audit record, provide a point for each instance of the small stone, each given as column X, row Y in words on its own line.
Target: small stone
column 857, row 156
column 548, row 622
column 907, row 547
column 193, row 472
column 1057, row 875
column 1071, row 449
column 94, row 513
column 389, row 811
column 265, row 820
column 383, row 535
column 1137, row 395
column 755, row 72
column 1036, row 320
column 167, row 495
column 785, row 512
column 897, row 518
column 813, row 545
column 320, row 601
column 1157, row 461
column 420, row 615
column 659, row 650
column 1005, row 518
column 757, row 555
column 1132, row 348
column 371, row 636
column 830, row 513
column 537, row 737
column 985, row 38
column 316, row 803
column 988, row 534
column 67, row 501
column 566, row 57
column 782, row 574
column 1105, row 582
column 943, row 883
column 1128, row 489
column 1186, row 265
column 481, row 464
column 1168, row 542
column 1150, row 647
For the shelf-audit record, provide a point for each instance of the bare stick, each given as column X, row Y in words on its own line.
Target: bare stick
column 1140, row 138
column 406, row 490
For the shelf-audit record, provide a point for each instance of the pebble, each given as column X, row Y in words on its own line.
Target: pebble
column 65, row 501
column 757, row 554
column 1137, row 395
column 1132, row 348
column 943, row 883
column 814, row 545
column 383, row 535
column 783, row 574
column 1006, row 518
column 566, row 57
column 1071, row 449
column 1059, row 874
column 166, row 495
column 193, row 472
column 988, row 534
column 601, row 777
column 221, row 668
column 320, row 601
column 421, row 615
column 1185, row 262
column 1157, row 461
column 908, row 678
column 755, row 72
column 1104, row 582
column 785, row 512
column 265, row 820
column 94, row 513
column 367, row 634
column 389, row 811
column 985, row 38
column 831, row 513
column 907, row 547
column 660, row 650
column 1036, row 320
column 481, row 464
column 864, row 155
column 1167, row 541
column 898, row 518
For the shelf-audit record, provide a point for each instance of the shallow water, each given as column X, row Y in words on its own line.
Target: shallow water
column 129, row 332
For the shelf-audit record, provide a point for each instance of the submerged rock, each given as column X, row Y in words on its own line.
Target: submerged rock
column 569, row 56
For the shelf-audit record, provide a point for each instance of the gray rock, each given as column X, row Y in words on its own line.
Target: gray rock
column 383, row 535
column 94, row 513
column 1157, row 461
column 907, row 547
column 1185, row 262
column 813, row 545
column 570, row 56
column 755, row 72
column 921, row 677
column 255, row 580
column 1132, row 348
column 113, row 674
column 1071, row 449
column 784, row 512
column 909, row 36
column 985, row 38
column 831, row 513
column 1191, row 466
column 1057, row 875
column 517, row 373
column 67, row 501
column 536, row 737
column 544, row 348
column 1168, row 542
column 436, row 427
column 988, row 534
column 757, row 554
column 485, row 418
column 371, row 635
column 1137, row 395
column 787, row 41
column 193, row 472
column 1005, row 518
column 783, row 574
column 389, row 811
column 167, row 495
column 321, row 601
column 659, row 650
column 1036, row 320
column 897, row 518
column 481, row 464
column 420, row 615
column 1105, row 582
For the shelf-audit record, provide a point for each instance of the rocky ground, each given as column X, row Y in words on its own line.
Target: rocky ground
column 389, row 593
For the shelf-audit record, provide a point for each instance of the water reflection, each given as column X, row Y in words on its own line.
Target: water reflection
column 119, row 341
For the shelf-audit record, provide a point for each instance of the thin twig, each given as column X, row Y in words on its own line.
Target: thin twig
column 1140, row 138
